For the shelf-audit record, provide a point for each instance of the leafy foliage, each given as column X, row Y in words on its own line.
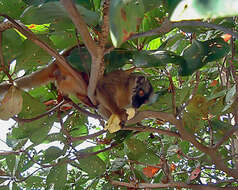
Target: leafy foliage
column 190, row 132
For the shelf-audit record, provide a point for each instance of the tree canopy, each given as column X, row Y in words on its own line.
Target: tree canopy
column 187, row 138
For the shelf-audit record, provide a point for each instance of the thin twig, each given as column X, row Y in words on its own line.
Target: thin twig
column 226, row 136
column 172, row 87
column 153, row 130
column 39, row 116
column 205, row 24
column 167, row 26
column 163, row 29
column 81, row 110
column 91, row 136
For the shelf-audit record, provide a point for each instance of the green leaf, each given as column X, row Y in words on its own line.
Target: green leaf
column 151, row 4
column 135, row 146
column 149, row 157
column 200, row 53
column 43, row 93
column 34, row 182
column 36, row 130
column 51, row 154
column 11, row 45
column 230, row 96
column 156, row 58
column 102, row 155
column 154, row 44
column 14, row 187
column 24, row 164
column 13, row 9
column 193, row 57
column 64, row 39
column 215, row 49
column 76, row 126
column 93, row 166
column 80, row 59
column 32, row 55
column 150, row 21
column 125, row 17
column 184, row 145
column 57, row 176
column 196, row 9
column 117, row 59
column 54, row 12
column 11, row 162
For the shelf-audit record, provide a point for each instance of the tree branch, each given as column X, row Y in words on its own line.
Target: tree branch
column 153, row 130
column 91, row 136
column 81, row 26
column 96, row 52
column 206, row 25
column 39, row 116
column 185, row 135
column 169, row 185
column 226, row 136
column 167, row 26
column 152, row 114
column 163, row 29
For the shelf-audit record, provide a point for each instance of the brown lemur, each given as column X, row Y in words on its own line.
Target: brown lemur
column 115, row 91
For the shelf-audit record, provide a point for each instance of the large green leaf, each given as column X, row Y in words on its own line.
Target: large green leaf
column 125, row 17
column 76, row 125
column 11, row 45
column 58, row 176
column 156, row 58
column 34, row 182
column 193, row 56
column 117, row 59
column 197, row 9
column 11, row 163
column 215, row 49
column 13, row 9
column 151, row 4
column 80, row 59
column 137, row 150
column 36, row 130
column 200, row 53
column 54, row 12
column 93, row 165
column 136, row 146
column 51, row 154
column 150, row 21
column 64, row 39
column 32, row 55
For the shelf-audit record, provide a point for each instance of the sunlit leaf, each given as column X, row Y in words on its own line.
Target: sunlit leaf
column 125, row 18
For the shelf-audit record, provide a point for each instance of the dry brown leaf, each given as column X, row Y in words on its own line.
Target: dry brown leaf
column 11, row 103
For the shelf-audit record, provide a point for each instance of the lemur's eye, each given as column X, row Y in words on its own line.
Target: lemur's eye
column 141, row 93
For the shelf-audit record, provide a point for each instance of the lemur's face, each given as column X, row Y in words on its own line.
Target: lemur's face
column 142, row 92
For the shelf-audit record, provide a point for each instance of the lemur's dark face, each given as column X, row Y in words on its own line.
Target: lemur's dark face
column 142, row 92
